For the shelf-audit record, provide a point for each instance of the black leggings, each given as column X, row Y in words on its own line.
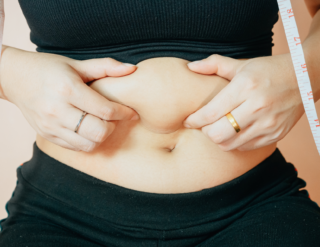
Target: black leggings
column 56, row 205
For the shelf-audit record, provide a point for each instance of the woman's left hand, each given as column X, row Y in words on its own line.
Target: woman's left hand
column 263, row 97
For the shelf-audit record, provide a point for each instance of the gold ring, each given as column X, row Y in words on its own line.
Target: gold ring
column 233, row 122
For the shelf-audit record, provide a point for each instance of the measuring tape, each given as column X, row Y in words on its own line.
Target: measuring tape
column 300, row 67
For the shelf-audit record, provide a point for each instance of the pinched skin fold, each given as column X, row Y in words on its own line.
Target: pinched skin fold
column 157, row 153
column 162, row 97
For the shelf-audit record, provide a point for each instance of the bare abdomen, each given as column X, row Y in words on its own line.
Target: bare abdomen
column 156, row 153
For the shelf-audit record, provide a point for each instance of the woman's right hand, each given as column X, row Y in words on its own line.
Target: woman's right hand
column 51, row 93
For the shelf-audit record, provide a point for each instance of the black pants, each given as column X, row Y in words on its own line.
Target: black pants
column 56, row 205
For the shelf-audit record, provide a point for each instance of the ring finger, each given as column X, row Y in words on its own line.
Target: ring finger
column 222, row 130
column 91, row 127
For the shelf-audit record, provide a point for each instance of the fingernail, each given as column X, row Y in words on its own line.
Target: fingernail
column 128, row 64
column 187, row 126
column 135, row 117
column 194, row 62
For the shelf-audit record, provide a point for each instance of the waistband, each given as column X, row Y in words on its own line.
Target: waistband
column 271, row 178
column 185, row 49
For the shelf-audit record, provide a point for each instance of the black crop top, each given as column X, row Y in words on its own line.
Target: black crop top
column 135, row 30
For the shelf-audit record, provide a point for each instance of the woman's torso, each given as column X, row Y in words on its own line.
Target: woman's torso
column 156, row 153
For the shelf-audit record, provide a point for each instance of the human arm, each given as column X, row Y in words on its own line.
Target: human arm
column 263, row 95
column 51, row 93
column 3, row 48
column 2, row 16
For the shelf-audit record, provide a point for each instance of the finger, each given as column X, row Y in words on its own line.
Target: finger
column 244, row 136
column 225, row 67
column 86, row 99
column 93, row 69
column 76, row 140
column 63, row 144
column 226, row 100
column 269, row 137
column 255, row 143
column 56, row 140
column 91, row 127
column 222, row 130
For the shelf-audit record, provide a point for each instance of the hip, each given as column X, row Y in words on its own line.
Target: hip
column 53, row 202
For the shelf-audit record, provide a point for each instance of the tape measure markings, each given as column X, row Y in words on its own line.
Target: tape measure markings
column 300, row 67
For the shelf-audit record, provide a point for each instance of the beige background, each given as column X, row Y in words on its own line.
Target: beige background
column 17, row 137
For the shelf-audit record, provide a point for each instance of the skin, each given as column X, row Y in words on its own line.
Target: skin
column 47, row 88
column 156, row 153
column 46, row 98
column 162, row 91
column 263, row 95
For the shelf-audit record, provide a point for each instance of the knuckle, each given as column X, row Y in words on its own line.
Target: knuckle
column 88, row 147
column 271, row 123
column 47, row 136
column 216, row 138
column 266, row 102
column 253, row 146
column 251, row 84
column 256, row 146
column 108, row 113
column 276, row 136
column 243, row 81
column 50, row 109
column 99, row 135
column 261, row 104
column 242, row 149
column 69, row 147
column 242, row 77
column 108, row 59
column 243, row 138
column 214, row 57
column 267, row 82
column 64, row 144
column 45, row 127
column 64, row 89
column 224, row 148
column 209, row 117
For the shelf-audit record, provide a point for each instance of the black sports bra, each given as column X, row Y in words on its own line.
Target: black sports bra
column 135, row 30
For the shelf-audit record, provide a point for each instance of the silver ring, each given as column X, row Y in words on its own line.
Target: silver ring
column 82, row 117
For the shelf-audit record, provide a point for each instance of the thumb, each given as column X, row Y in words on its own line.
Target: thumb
column 93, row 69
column 225, row 67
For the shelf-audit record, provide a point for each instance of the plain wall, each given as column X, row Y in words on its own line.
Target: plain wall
column 17, row 136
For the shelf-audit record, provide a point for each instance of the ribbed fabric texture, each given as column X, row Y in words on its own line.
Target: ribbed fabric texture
column 54, row 205
column 134, row 30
